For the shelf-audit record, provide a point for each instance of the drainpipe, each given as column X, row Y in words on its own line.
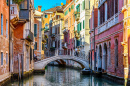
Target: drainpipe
column 9, row 35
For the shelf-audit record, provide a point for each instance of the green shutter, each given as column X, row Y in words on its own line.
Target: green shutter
column 83, row 24
column 35, row 30
column 83, row 5
column 35, row 46
column 72, row 6
column 69, row 9
column 80, row 26
column 74, row 28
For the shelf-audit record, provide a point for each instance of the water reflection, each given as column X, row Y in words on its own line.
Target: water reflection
column 55, row 76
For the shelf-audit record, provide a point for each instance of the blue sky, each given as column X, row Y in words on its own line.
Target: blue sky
column 46, row 4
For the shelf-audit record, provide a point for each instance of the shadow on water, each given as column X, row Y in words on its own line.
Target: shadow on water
column 62, row 76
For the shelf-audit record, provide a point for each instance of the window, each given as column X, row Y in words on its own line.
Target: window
column 83, row 5
column 110, row 8
column 102, row 13
column 116, row 53
column 69, row 9
column 109, row 53
column 35, row 47
column 7, row 2
column 35, row 30
column 6, row 29
column 23, row 5
column 6, row 58
column 46, row 16
column 1, row 24
column 83, row 24
column 42, row 46
column 72, row 6
column 1, row 58
column 66, row 12
column 78, row 8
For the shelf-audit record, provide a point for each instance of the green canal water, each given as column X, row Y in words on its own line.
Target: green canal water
column 58, row 76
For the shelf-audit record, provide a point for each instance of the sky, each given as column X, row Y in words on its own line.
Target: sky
column 47, row 4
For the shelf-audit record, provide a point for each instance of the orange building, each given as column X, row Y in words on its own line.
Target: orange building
column 4, row 41
column 126, row 38
column 69, row 19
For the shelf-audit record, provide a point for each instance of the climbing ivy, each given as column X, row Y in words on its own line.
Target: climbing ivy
column 18, row 1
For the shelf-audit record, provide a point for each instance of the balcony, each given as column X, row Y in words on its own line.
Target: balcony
column 64, row 45
column 77, row 16
column 43, row 40
column 77, row 36
column 14, row 11
column 29, row 35
column 52, row 35
column 124, row 8
column 108, row 24
column 65, row 31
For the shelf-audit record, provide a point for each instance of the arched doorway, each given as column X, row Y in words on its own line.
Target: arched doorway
column 105, row 57
column 100, row 59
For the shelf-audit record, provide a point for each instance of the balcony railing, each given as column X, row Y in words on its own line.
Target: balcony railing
column 77, row 16
column 29, row 35
column 108, row 24
column 52, row 35
column 14, row 10
column 64, row 45
column 43, row 40
column 65, row 31
column 77, row 35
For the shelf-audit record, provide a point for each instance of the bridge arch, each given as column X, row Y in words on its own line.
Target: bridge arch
column 41, row 64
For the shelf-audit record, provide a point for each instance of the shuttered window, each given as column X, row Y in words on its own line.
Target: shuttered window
column 83, row 5
column 83, row 24
column 72, row 6
column 1, row 58
column 69, row 9
column 78, row 8
column 1, row 24
column 35, row 47
column 35, row 30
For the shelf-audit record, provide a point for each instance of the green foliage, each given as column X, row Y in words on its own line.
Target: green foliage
column 18, row 1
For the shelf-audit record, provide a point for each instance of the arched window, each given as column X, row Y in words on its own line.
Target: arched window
column 1, row 24
column 109, row 53
column 6, row 28
column 116, row 53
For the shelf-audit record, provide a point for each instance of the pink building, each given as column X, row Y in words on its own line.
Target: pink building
column 108, row 26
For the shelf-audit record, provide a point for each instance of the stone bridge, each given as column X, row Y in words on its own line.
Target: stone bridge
column 40, row 65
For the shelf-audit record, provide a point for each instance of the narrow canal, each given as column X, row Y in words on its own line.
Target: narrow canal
column 58, row 76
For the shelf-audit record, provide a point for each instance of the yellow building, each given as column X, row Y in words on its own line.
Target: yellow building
column 126, row 37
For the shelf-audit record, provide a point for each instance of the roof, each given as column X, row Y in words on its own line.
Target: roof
column 55, row 9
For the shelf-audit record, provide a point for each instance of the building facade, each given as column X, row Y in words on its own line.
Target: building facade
column 68, row 31
column 4, row 40
column 106, row 37
column 82, row 27
column 39, row 36
column 21, row 37
column 126, row 38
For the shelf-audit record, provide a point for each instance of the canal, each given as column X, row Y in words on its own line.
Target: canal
column 59, row 76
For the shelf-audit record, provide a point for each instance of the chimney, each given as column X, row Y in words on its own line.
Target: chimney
column 39, row 8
